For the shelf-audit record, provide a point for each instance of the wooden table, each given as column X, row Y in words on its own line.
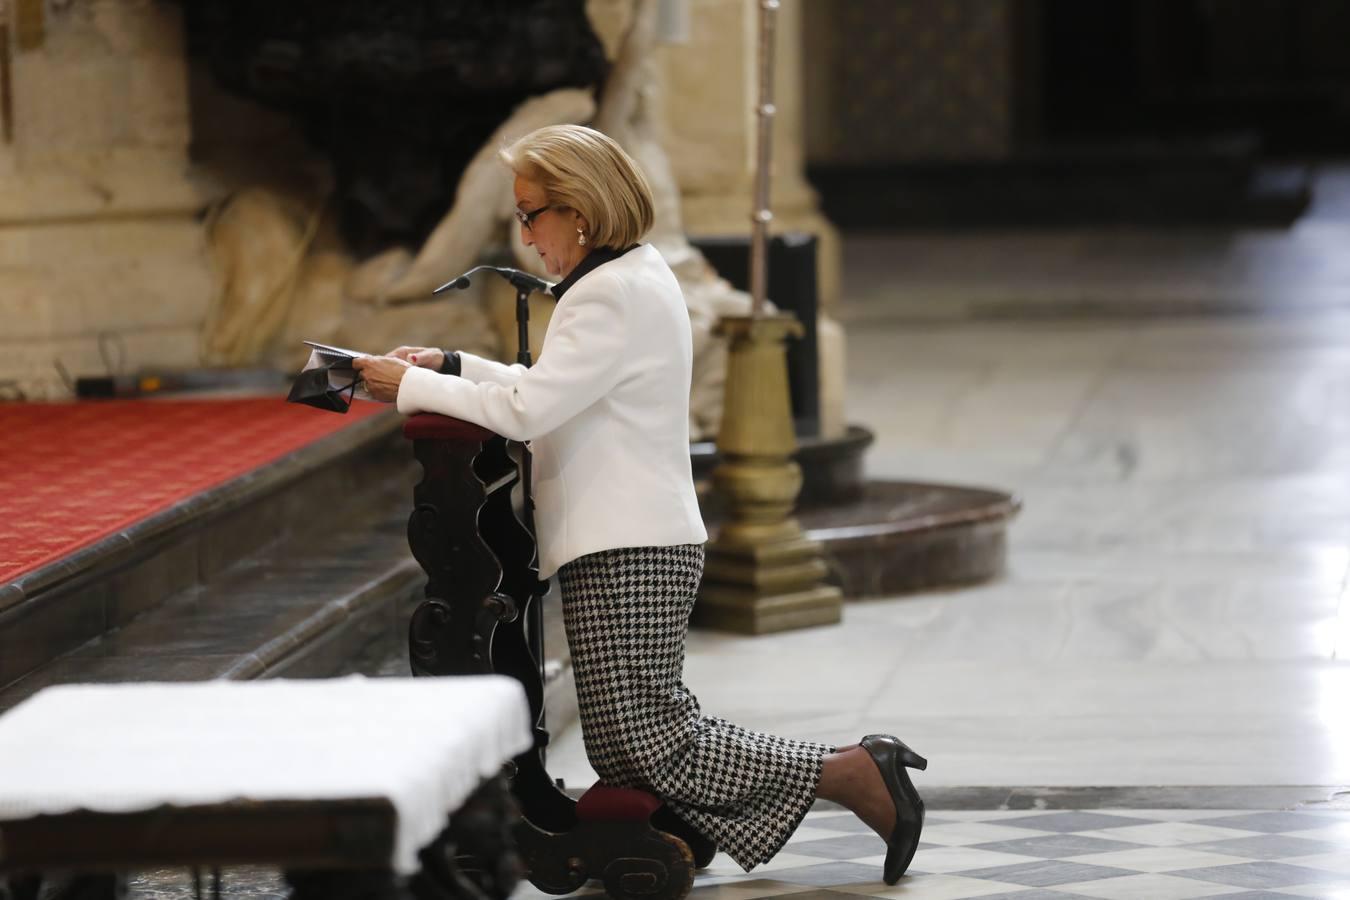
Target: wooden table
column 353, row 786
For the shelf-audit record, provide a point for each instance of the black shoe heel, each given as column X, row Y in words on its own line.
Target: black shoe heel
column 892, row 758
column 907, row 756
column 911, row 759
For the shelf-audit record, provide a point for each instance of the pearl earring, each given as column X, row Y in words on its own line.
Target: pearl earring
column 581, row 237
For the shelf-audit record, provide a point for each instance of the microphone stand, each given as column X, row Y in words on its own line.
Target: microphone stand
column 534, row 637
column 523, row 326
column 525, row 284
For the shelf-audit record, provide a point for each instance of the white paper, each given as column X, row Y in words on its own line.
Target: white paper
column 338, row 379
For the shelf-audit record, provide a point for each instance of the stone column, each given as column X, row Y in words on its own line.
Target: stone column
column 762, row 574
column 708, row 84
column 101, row 254
column 710, row 89
column 710, row 97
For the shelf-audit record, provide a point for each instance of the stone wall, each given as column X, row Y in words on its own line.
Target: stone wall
column 709, row 83
column 896, row 81
column 103, row 261
column 99, row 240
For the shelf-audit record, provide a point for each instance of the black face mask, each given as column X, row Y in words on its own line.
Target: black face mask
column 313, row 388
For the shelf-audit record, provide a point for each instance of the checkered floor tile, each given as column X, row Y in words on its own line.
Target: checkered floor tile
column 1003, row 855
column 1053, row 855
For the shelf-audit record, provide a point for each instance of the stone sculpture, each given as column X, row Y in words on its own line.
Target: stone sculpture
column 262, row 247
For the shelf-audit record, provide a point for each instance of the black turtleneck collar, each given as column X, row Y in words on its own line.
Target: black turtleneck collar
column 596, row 258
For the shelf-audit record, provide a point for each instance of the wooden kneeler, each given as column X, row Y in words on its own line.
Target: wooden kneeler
column 628, row 840
column 483, row 614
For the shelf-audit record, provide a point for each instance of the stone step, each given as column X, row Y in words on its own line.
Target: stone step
column 882, row 538
column 896, row 537
column 306, row 605
column 240, row 581
column 906, row 536
column 329, row 592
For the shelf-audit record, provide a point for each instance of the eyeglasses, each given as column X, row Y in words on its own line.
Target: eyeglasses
column 527, row 218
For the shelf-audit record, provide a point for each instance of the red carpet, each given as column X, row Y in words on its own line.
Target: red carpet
column 72, row 473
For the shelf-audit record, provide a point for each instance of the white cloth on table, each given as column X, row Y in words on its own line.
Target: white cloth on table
column 425, row 744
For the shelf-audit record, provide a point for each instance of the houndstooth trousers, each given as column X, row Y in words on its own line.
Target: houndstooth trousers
column 626, row 612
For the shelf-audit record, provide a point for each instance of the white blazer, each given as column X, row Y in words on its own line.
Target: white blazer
column 605, row 409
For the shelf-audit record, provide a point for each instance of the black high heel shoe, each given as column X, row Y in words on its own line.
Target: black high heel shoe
column 892, row 758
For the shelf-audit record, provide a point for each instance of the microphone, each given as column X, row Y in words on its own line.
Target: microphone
column 458, row 284
column 522, row 281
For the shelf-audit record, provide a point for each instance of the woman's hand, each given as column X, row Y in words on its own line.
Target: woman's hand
column 423, row 357
column 382, row 374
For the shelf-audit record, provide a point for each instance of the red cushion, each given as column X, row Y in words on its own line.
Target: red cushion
column 603, row 803
column 430, row 427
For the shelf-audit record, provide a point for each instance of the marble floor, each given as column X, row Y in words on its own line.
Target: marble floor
column 1132, row 854
column 1154, row 702
column 1175, row 615
column 1175, row 610
column 1016, row 855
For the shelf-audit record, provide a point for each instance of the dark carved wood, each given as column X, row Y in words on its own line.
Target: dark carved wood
column 482, row 613
column 103, row 886
column 328, row 849
column 374, row 884
column 452, row 633
column 477, row 855
column 702, row 848
column 21, row 887
column 483, row 590
column 397, row 94
column 632, row 859
column 478, row 832
column 316, row 834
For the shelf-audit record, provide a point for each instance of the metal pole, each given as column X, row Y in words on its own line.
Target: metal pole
column 762, row 216
column 6, row 78
column 523, row 327
column 534, row 616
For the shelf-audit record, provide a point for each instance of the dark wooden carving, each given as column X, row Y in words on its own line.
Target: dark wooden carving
column 477, row 855
column 77, row 887
column 397, row 94
column 482, row 613
column 475, row 858
column 632, row 860
column 453, row 631
column 328, row 849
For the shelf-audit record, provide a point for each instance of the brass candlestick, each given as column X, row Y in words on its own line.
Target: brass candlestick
column 762, row 574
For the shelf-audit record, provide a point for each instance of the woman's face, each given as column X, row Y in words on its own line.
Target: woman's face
column 552, row 232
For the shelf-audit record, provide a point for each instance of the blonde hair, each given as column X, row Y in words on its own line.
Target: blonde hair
column 588, row 171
